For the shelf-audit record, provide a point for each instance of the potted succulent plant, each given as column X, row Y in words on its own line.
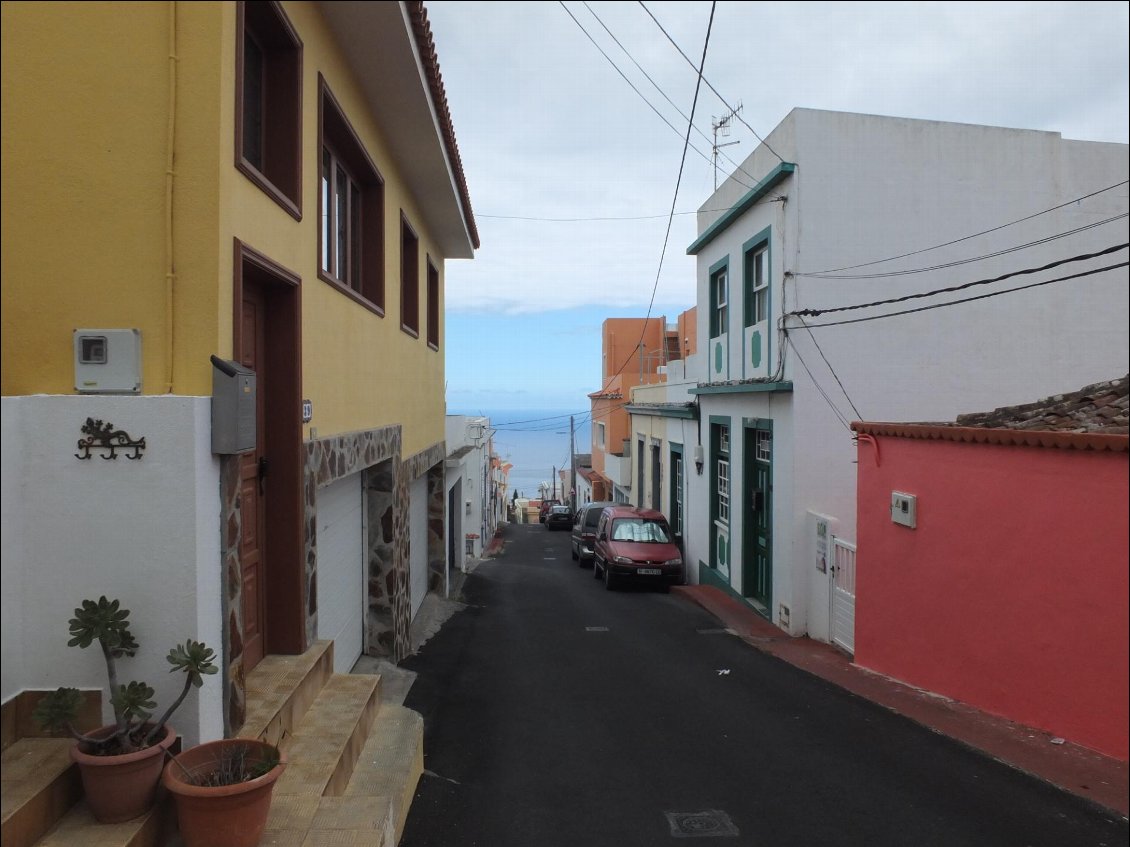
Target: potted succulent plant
column 222, row 791
column 121, row 763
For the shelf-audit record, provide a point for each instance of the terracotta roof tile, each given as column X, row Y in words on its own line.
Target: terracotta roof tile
column 1093, row 418
column 422, row 30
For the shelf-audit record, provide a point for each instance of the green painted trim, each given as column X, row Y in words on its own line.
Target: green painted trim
column 714, row 579
column 675, row 449
column 775, row 176
column 765, row 237
column 687, row 414
column 744, row 388
column 720, row 419
column 758, row 423
column 722, row 264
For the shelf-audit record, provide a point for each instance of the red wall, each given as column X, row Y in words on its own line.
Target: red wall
column 1011, row 594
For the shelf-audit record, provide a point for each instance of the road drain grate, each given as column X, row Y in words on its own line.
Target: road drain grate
column 706, row 824
column 596, row 629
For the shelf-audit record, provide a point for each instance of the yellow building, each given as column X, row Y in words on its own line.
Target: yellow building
column 194, row 193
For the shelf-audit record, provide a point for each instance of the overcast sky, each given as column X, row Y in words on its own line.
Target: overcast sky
column 548, row 129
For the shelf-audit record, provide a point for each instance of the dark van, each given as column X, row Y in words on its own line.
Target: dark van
column 635, row 544
column 584, row 531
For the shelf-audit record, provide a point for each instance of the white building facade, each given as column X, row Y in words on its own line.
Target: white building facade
column 820, row 294
column 470, row 490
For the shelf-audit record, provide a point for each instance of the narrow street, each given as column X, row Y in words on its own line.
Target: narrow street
column 558, row 713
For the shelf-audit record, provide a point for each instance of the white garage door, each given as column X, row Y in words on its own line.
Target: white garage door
column 341, row 570
column 418, row 539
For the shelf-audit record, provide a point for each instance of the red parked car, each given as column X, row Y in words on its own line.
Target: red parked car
column 543, row 510
column 635, row 544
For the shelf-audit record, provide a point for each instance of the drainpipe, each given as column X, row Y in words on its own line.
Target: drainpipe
column 170, row 146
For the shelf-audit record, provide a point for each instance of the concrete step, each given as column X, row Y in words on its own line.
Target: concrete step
column 281, row 688
column 78, row 828
column 391, row 763
column 374, row 806
column 327, row 742
column 39, row 784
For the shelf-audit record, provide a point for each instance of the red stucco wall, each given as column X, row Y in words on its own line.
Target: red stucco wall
column 1011, row 593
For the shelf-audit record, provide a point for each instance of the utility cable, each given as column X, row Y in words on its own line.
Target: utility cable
column 981, row 258
column 1081, row 258
column 708, row 85
column 632, row 85
column 655, row 85
column 971, row 299
column 675, row 197
column 839, row 415
column 832, row 370
column 966, row 237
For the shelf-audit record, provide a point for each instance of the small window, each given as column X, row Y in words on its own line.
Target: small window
column 724, row 438
column 409, row 278
column 350, row 210
column 719, row 303
column 268, row 117
column 764, row 445
column 757, row 282
column 723, row 490
column 433, row 305
column 600, row 435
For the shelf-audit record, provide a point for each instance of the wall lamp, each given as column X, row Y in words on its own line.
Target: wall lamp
column 698, row 460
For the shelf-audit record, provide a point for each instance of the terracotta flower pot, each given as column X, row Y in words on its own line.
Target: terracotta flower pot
column 119, row 788
column 224, row 815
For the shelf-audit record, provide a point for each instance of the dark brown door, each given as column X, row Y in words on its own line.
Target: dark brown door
column 252, row 482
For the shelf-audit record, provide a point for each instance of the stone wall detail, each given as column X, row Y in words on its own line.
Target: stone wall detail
column 437, row 549
column 231, row 598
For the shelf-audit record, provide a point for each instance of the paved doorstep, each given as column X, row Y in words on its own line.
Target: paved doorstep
column 1074, row 769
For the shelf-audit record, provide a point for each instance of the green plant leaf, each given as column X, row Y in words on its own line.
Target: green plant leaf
column 57, row 709
column 135, row 701
column 194, row 658
column 106, row 622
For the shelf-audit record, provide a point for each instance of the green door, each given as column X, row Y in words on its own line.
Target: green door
column 757, row 558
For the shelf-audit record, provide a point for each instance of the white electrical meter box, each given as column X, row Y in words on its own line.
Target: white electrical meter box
column 107, row 361
column 904, row 509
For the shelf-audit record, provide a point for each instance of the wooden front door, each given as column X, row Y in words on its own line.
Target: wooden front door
column 252, row 478
column 757, row 578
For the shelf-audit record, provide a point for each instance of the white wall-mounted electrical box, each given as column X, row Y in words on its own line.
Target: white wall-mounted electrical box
column 107, row 361
column 904, row 509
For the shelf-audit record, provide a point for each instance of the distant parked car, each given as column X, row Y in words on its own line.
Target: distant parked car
column 558, row 517
column 584, row 531
column 543, row 510
column 635, row 545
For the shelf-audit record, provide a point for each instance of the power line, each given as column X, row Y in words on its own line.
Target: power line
column 630, row 83
column 981, row 258
column 965, row 237
column 675, row 197
column 839, row 415
column 660, row 90
column 596, row 219
column 708, row 85
column 835, row 375
column 1025, row 271
column 971, row 299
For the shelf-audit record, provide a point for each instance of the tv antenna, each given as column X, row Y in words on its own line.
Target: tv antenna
column 722, row 126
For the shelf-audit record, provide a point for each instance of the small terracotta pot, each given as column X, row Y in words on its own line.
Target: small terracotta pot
column 226, row 815
column 119, row 788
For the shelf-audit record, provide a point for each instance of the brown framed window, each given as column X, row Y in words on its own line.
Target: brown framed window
column 433, row 305
column 350, row 209
column 409, row 278
column 268, row 102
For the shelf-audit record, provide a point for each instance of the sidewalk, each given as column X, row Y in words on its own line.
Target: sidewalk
column 1074, row 769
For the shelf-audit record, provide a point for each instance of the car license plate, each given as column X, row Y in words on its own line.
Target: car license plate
column 649, row 571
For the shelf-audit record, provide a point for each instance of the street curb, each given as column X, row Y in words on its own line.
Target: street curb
column 1098, row 780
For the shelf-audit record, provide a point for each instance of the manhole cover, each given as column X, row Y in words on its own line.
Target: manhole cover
column 706, row 824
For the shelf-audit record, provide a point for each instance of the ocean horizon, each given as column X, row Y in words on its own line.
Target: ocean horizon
column 535, row 442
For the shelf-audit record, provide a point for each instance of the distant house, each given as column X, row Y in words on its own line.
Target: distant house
column 230, row 245
column 816, row 261
column 634, row 351
column 993, row 561
column 471, row 490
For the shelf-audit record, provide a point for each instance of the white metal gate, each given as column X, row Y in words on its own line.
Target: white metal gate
column 842, row 577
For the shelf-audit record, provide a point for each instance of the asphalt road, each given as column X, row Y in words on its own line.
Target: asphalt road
column 558, row 713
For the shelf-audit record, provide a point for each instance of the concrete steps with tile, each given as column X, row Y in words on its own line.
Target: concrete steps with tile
column 39, row 783
column 353, row 765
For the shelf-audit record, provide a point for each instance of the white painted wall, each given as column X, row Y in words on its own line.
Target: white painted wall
column 418, row 541
column 146, row 532
column 341, row 570
column 867, row 188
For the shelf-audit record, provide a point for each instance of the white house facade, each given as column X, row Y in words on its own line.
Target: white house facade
column 821, row 288
column 469, row 488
